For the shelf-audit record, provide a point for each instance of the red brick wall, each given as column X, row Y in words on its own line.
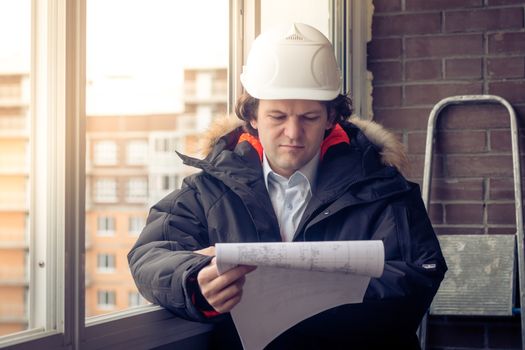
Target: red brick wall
column 422, row 51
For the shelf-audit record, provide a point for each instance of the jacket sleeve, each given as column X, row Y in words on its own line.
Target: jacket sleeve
column 414, row 264
column 162, row 261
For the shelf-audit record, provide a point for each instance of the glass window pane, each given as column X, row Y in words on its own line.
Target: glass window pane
column 146, row 97
column 15, row 146
column 313, row 12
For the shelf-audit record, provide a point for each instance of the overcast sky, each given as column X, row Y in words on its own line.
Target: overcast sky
column 136, row 49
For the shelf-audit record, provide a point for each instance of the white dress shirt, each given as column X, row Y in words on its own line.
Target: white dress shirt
column 290, row 196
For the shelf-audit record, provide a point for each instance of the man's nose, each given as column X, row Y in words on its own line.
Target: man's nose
column 293, row 128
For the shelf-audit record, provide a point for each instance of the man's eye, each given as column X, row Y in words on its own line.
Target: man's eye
column 311, row 118
column 277, row 116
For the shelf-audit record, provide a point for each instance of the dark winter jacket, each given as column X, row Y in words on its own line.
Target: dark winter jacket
column 360, row 195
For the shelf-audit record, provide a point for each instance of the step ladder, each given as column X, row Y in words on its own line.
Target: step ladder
column 481, row 275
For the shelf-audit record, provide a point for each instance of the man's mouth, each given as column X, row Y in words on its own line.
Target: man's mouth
column 292, row 146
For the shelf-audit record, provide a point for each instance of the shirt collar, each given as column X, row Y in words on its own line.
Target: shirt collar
column 309, row 170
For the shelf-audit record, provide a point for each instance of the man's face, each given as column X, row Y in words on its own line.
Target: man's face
column 291, row 132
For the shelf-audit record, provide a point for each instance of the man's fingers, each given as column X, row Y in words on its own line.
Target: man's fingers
column 229, row 304
column 210, row 251
column 234, row 290
column 206, row 279
column 213, row 283
column 224, row 291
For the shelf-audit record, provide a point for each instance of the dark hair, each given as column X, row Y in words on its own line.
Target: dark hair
column 338, row 109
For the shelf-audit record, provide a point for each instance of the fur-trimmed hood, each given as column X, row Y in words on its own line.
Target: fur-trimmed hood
column 391, row 149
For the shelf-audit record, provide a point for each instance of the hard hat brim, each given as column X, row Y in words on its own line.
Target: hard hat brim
column 276, row 93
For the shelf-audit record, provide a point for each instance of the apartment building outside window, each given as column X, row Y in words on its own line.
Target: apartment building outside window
column 136, row 190
column 169, row 182
column 105, row 263
column 137, row 152
column 135, row 225
column 16, row 154
column 106, row 299
column 106, row 190
column 106, row 225
column 167, row 144
column 105, row 153
column 135, row 299
column 204, row 85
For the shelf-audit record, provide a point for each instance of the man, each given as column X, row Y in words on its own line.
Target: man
column 295, row 170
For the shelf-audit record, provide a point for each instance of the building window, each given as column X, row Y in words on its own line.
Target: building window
column 135, row 299
column 137, row 152
column 162, row 145
column 105, row 153
column 105, row 263
column 105, row 226
column 168, row 144
column 106, row 190
column 204, row 85
column 106, row 299
column 137, row 190
column 169, row 182
column 204, row 117
column 135, row 225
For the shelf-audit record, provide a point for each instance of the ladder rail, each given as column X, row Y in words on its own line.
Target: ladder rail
column 516, row 168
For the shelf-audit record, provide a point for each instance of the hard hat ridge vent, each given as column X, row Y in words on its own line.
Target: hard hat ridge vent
column 294, row 34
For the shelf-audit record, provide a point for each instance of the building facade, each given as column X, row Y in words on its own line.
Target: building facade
column 14, row 201
column 130, row 164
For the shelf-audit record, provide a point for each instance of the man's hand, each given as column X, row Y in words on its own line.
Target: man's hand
column 224, row 291
column 210, row 251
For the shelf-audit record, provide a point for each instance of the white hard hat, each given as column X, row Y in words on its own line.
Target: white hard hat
column 292, row 62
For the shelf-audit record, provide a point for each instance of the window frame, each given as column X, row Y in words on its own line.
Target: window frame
column 58, row 74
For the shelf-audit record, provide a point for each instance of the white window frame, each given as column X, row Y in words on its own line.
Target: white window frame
column 57, row 294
